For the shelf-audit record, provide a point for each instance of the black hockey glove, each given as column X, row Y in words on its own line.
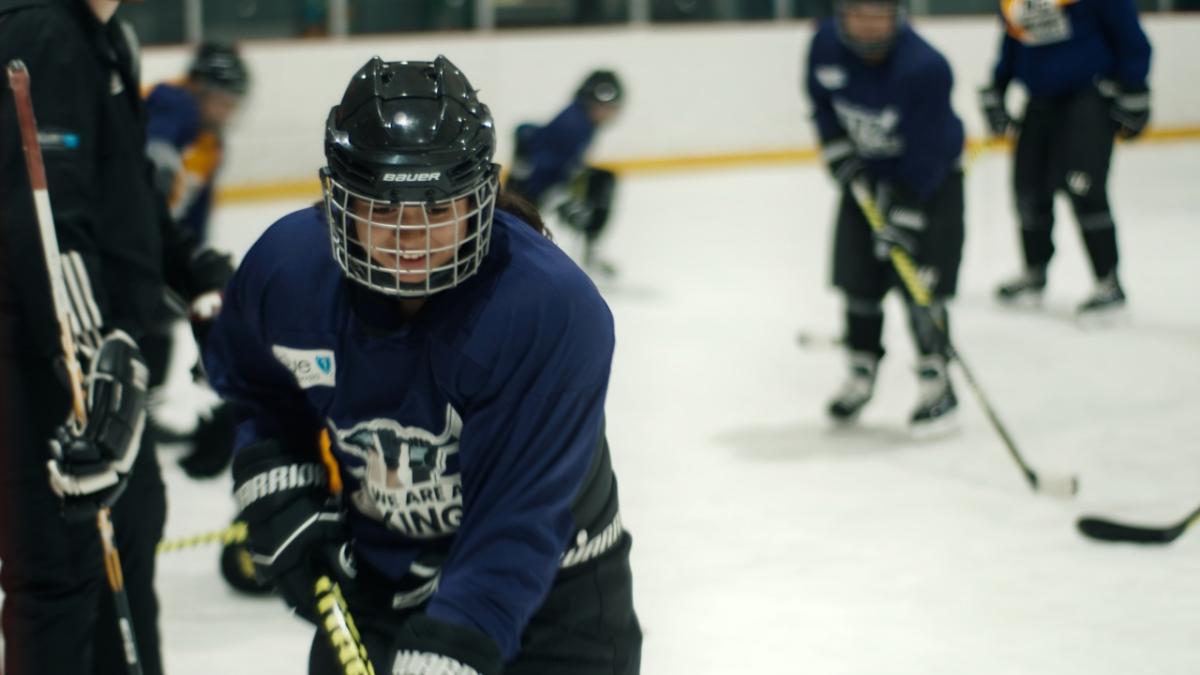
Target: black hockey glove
column 89, row 467
column 1130, row 110
column 904, row 222
column 209, row 273
column 426, row 646
column 202, row 313
column 208, row 270
column 212, row 443
column 296, row 530
column 991, row 100
column 843, row 161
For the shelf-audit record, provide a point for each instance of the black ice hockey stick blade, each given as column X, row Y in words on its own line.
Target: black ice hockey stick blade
column 1104, row 529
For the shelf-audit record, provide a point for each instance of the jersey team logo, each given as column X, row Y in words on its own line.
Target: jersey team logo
column 875, row 132
column 405, row 478
column 1037, row 22
column 832, row 77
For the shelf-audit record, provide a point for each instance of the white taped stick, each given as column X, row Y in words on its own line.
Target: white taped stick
column 18, row 80
column 1058, row 486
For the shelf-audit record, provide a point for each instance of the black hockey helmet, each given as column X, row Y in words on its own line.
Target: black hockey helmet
column 869, row 49
column 219, row 65
column 409, row 136
column 601, row 87
column 410, row 131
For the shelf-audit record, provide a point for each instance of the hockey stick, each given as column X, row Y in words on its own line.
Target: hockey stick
column 813, row 340
column 18, row 80
column 340, row 629
column 234, row 534
column 1059, row 486
column 116, row 581
column 1107, row 530
column 806, row 339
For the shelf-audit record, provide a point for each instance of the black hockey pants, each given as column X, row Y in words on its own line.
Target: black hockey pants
column 1066, row 144
column 586, row 626
column 865, row 280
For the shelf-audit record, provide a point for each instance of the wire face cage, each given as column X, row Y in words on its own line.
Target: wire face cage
column 409, row 249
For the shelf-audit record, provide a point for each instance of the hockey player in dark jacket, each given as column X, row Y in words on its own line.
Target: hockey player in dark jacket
column 1085, row 65
column 881, row 102
column 119, row 250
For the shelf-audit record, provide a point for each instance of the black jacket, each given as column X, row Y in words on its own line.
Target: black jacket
column 86, row 99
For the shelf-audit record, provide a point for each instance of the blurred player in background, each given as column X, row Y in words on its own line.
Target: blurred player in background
column 1085, row 65
column 881, row 102
column 549, row 168
column 120, row 249
column 186, row 126
column 458, row 362
column 185, row 141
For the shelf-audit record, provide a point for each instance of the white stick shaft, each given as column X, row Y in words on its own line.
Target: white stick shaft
column 45, row 218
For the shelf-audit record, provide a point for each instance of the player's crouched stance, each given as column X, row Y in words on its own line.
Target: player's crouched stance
column 881, row 102
column 458, row 362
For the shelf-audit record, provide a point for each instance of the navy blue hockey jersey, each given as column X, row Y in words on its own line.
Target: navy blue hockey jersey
column 548, row 155
column 173, row 124
column 1057, row 47
column 466, row 431
column 896, row 113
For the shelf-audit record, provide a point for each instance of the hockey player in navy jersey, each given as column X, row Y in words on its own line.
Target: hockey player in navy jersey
column 458, row 362
column 549, row 166
column 1085, row 65
column 881, row 102
column 185, row 131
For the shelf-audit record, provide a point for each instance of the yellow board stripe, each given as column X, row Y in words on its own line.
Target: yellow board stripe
column 311, row 189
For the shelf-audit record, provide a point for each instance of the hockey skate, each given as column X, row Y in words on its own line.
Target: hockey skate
column 857, row 389
column 1025, row 290
column 937, row 404
column 1104, row 304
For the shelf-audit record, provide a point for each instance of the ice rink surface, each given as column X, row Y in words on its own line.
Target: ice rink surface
column 768, row 542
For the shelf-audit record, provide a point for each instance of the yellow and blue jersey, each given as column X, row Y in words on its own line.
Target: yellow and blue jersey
column 1057, row 47
column 187, row 156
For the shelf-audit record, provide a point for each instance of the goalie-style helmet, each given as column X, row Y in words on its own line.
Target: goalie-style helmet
column 872, row 48
column 410, row 186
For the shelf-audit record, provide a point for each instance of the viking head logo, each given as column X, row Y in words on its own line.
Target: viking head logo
column 403, row 475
